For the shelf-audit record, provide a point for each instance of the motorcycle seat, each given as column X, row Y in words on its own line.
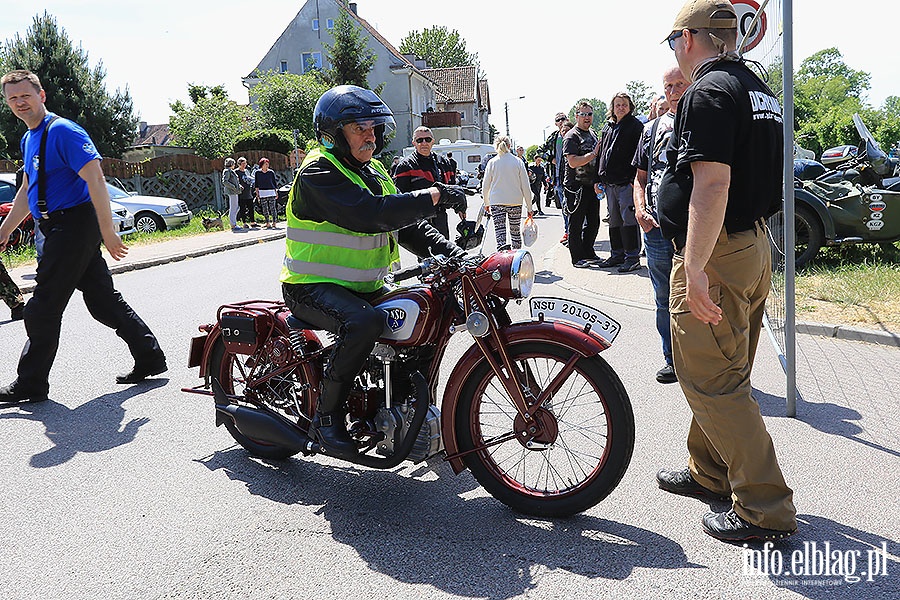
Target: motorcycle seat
column 295, row 323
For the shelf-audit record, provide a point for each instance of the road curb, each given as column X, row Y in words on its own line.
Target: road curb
column 161, row 260
column 853, row 334
column 841, row 332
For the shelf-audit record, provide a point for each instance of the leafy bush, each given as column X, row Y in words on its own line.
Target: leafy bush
column 273, row 140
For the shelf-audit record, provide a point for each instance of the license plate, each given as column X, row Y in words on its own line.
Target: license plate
column 559, row 309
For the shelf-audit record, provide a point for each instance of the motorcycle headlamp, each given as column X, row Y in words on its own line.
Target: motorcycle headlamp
column 522, row 273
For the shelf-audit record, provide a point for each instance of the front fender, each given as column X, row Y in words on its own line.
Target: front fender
column 557, row 333
column 817, row 205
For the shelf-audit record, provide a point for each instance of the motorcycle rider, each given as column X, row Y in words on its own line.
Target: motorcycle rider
column 343, row 217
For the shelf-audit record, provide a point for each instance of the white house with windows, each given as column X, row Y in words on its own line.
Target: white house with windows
column 407, row 89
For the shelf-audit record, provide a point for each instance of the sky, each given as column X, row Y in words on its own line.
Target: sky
column 552, row 55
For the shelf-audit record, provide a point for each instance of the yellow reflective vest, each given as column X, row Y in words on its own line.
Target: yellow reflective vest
column 322, row 252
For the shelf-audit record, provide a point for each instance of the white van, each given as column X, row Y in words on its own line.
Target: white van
column 467, row 154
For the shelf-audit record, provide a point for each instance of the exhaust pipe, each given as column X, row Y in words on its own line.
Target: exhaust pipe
column 260, row 425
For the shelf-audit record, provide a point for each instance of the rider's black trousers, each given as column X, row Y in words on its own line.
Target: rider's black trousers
column 348, row 315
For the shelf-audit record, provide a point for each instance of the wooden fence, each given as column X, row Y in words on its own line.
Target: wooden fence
column 194, row 179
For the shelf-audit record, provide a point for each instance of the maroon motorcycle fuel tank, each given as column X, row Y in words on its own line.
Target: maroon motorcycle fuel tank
column 412, row 316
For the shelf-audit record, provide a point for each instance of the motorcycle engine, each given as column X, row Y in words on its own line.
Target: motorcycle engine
column 394, row 423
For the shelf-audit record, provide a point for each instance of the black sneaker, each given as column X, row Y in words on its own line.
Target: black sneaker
column 730, row 527
column 584, row 263
column 612, row 261
column 682, row 483
column 631, row 264
column 666, row 375
column 15, row 393
column 141, row 372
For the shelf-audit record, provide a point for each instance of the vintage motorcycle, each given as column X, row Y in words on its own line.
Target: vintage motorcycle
column 542, row 421
column 856, row 202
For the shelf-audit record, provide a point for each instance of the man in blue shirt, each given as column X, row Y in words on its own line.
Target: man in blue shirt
column 68, row 198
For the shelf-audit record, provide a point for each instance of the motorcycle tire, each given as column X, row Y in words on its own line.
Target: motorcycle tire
column 809, row 235
column 223, row 366
column 579, row 464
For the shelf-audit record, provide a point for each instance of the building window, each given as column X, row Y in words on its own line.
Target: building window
column 284, row 66
column 329, row 23
column 462, row 115
column 311, row 61
column 315, row 24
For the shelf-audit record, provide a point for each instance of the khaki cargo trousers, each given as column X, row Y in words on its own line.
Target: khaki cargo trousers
column 730, row 450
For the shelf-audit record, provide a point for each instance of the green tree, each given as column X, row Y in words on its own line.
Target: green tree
column 73, row 89
column 349, row 56
column 439, row 47
column 286, row 101
column 212, row 124
column 641, row 94
column 826, row 94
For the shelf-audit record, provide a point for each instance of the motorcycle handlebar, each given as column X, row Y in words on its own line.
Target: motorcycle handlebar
column 404, row 274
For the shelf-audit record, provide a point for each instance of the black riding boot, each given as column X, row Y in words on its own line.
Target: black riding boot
column 328, row 426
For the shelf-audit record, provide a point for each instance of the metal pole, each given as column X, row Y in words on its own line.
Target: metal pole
column 790, row 332
column 506, row 111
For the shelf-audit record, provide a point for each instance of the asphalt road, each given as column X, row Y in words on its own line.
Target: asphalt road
column 131, row 492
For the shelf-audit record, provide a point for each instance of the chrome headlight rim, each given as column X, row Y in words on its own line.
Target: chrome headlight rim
column 522, row 273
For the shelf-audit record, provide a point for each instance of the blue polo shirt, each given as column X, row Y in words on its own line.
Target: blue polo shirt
column 69, row 148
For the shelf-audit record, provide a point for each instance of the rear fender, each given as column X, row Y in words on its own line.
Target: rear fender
column 557, row 333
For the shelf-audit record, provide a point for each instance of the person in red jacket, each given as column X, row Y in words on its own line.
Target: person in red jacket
column 421, row 170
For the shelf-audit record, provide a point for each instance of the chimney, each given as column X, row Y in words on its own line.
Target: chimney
column 353, row 8
column 142, row 128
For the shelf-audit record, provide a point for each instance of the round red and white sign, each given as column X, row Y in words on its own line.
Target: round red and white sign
column 746, row 10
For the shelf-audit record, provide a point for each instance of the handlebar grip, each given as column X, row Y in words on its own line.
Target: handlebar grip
column 407, row 273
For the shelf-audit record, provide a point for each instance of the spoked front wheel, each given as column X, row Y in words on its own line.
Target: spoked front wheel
column 587, row 425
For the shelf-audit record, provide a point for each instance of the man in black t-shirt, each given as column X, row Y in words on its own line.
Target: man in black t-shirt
column 580, row 149
column 723, row 178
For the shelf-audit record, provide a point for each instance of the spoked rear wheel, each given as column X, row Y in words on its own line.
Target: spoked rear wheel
column 283, row 394
column 587, row 440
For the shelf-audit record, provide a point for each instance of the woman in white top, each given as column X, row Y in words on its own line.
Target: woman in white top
column 506, row 193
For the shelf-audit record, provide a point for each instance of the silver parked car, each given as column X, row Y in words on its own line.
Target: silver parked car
column 123, row 220
column 152, row 213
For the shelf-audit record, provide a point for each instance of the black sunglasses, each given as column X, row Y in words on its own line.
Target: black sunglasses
column 671, row 39
column 585, row 114
column 560, row 119
column 423, row 140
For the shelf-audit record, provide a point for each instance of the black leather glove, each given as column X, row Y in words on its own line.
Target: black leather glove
column 452, row 196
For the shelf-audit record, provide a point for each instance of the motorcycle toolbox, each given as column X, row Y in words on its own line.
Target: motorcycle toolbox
column 242, row 327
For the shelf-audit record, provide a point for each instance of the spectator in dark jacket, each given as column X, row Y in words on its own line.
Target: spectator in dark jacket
column 245, row 198
column 618, row 141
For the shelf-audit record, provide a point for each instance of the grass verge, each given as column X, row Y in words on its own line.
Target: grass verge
column 852, row 285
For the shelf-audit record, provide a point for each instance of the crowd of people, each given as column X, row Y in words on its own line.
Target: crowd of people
column 698, row 180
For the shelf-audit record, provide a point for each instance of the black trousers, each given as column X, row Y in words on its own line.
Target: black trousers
column 245, row 210
column 584, row 222
column 536, row 190
column 348, row 315
column 71, row 261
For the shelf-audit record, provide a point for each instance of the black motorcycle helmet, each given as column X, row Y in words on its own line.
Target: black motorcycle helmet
column 348, row 104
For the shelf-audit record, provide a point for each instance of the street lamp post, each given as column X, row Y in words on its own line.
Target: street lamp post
column 506, row 111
